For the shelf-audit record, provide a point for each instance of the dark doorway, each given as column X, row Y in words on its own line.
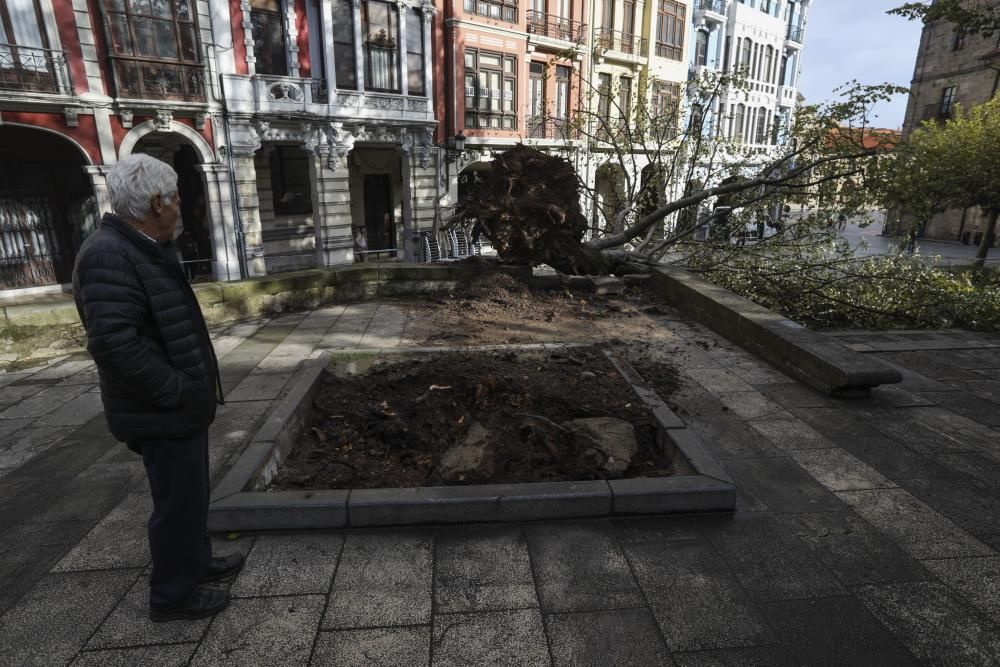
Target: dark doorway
column 379, row 223
column 47, row 207
column 194, row 242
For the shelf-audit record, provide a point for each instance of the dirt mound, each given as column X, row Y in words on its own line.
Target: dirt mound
column 391, row 426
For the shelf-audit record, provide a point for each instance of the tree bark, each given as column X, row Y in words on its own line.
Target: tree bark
column 988, row 236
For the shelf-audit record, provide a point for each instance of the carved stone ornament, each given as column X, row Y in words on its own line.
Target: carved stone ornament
column 263, row 128
column 346, row 100
column 384, row 103
column 72, row 116
column 429, row 11
column 199, row 120
column 125, row 116
column 416, row 105
column 341, row 143
column 312, row 138
column 284, row 91
column 163, row 120
column 245, row 142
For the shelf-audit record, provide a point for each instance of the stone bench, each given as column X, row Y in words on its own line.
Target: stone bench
column 812, row 357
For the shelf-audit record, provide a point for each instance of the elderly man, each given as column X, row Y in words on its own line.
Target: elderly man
column 159, row 377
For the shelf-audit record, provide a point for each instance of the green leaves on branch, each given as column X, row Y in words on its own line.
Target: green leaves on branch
column 982, row 17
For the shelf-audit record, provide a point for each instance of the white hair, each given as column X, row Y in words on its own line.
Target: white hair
column 135, row 180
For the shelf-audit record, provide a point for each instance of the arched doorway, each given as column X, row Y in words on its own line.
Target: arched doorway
column 194, row 241
column 47, row 207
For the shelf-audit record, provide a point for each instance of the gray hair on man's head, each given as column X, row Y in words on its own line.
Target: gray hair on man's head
column 135, row 180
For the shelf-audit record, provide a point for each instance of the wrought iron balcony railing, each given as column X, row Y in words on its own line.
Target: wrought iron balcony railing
column 505, row 10
column 615, row 40
column 548, row 25
column 795, row 34
column 938, row 111
column 544, row 127
column 157, row 80
column 24, row 68
column 717, row 6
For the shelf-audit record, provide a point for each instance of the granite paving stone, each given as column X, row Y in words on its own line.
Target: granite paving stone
column 75, row 412
column 374, row 647
column 973, row 407
column 838, row 470
column 173, row 655
column 980, row 437
column 12, row 394
column 921, row 437
column 911, row 524
column 656, row 529
column 892, row 459
column 757, row 373
column 977, row 579
column 718, row 380
column 604, row 638
column 384, row 579
column 782, row 485
column 972, row 506
column 258, row 386
column 119, row 540
column 932, row 364
column 482, row 568
column 579, row 566
column 854, row 551
column 50, row 623
column 235, row 424
column 794, row 395
column 751, row 405
column 767, row 558
column 129, row 624
column 515, row 638
column 971, row 465
column 856, row 638
column 27, row 442
column 43, row 402
column 262, row 632
column 63, row 370
column 934, row 623
column 289, row 565
column 757, row 656
column 10, row 377
column 21, row 568
column 695, row 599
column 790, row 435
column 92, row 493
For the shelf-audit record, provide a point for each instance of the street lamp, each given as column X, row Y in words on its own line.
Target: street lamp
column 455, row 148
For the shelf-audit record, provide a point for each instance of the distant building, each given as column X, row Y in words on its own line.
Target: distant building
column 952, row 68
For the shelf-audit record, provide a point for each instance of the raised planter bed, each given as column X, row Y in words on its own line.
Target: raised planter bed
column 242, row 501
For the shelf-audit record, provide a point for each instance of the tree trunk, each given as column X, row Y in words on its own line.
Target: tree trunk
column 988, row 235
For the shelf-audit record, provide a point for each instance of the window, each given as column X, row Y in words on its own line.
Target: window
column 738, row 118
column 268, row 26
column 725, row 61
column 490, row 82
column 765, row 6
column 26, row 63
column 784, row 68
column 290, row 190
column 608, row 15
column 155, row 49
column 767, row 74
column 947, row 100
column 701, row 49
column 959, row 43
column 380, row 30
column 747, row 53
column 343, row 44
column 604, row 102
column 562, row 91
column 670, row 29
column 415, row 52
column 666, row 98
column 625, row 100
column 536, row 100
column 505, row 10
column 761, row 126
column 628, row 20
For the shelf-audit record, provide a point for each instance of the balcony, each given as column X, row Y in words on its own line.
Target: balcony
column 712, row 11
column 938, row 112
column 158, row 80
column 557, row 129
column 616, row 45
column 549, row 30
column 505, row 10
column 794, row 37
column 31, row 70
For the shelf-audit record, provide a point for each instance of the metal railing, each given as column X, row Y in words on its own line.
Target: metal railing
column 615, row 40
column 938, row 111
column 24, row 68
column 795, row 34
column 549, row 25
column 545, row 127
column 717, row 6
column 505, row 11
column 157, row 80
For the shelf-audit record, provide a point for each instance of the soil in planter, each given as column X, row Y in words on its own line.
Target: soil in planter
column 390, row 426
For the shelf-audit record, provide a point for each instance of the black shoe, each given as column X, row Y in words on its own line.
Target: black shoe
column 204, row 602
column 223, row 567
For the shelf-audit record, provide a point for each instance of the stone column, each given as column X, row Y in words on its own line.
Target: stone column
column 222, row 234
column 331, row 208
column 428, row 15
column 326, row 19
column 403, row 7
column 247, row 26
column 359, row 55
column 406, row 177
column 97, row 173
column 248, row 203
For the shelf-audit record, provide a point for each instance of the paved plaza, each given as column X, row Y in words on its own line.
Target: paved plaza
column 866, row 531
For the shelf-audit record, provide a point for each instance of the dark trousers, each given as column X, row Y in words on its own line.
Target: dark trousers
column 178, row 479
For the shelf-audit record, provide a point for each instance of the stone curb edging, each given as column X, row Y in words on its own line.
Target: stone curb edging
column 820, row 361
column 239, row 504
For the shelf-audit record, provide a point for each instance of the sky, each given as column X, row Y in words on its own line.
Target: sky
column 855, row 39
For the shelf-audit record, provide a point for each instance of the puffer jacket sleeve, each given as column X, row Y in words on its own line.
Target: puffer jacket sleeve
column 113, row 307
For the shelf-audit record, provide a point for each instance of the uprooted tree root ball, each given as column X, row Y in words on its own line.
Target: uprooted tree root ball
column 475, row 418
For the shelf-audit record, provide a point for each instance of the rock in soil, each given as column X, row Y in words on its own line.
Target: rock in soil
column 471, row 461
column 615, row 438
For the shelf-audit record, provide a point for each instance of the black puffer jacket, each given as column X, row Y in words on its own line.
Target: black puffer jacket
column 146, row 333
